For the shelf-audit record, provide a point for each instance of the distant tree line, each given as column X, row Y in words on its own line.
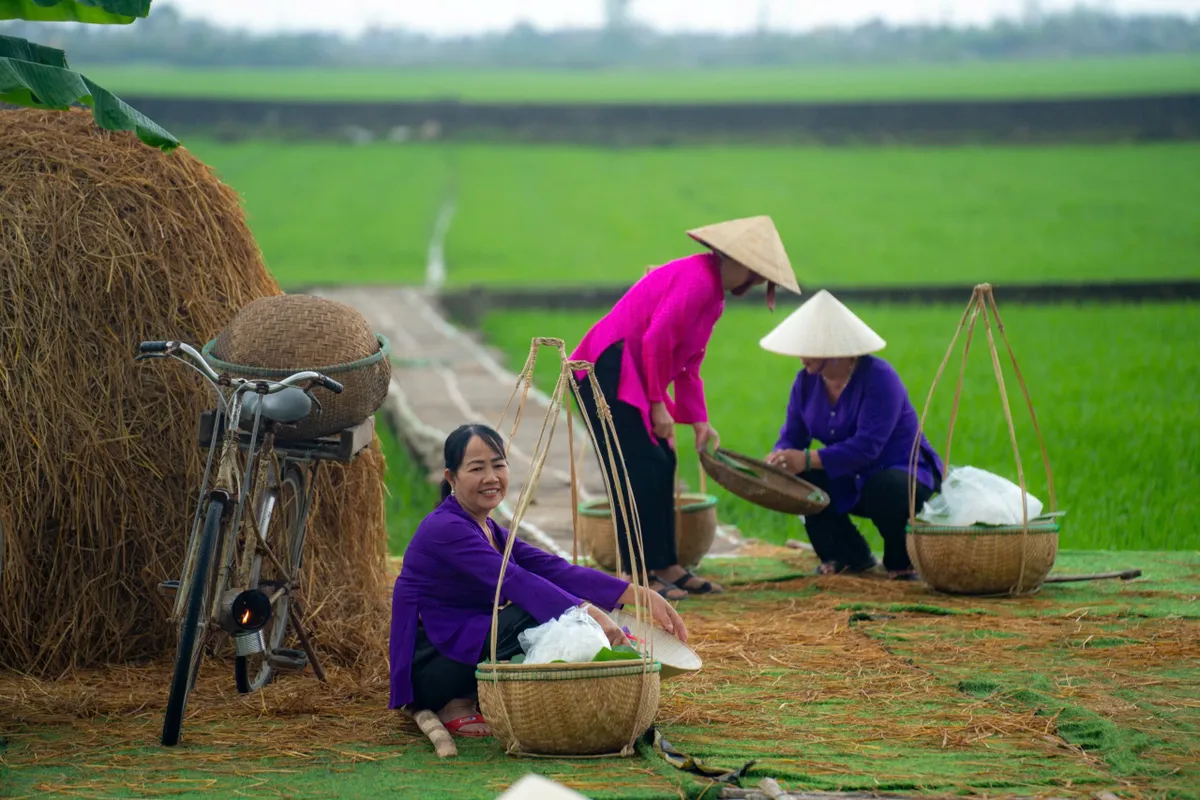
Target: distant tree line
column 167, row 37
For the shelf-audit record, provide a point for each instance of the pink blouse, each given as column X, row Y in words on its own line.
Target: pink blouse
column 665, row 320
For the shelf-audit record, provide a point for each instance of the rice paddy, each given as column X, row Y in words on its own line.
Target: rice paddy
column 548, row 215
column 1049, row 78
column 1123, row 454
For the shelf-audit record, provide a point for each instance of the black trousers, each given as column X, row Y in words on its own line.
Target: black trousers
column 884, row 501
column 437, row 680
column 649, row 461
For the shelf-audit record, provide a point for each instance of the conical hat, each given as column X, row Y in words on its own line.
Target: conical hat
column 753, row 241
column 535, row 787
column 822, row 328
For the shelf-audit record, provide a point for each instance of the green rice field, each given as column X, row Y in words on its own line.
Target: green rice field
column 1067, row 78
column 325, row 213
column 1114, row 389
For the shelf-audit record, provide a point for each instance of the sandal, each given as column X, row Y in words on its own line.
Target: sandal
column 833, row 567
column 903, row 575
column 455, row 725
column 704, row 588
column 665, row 588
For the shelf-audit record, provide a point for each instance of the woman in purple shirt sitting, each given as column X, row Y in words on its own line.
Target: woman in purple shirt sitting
column 443, row 599
column 857, row 406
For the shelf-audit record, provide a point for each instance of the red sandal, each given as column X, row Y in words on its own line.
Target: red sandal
column 455, row 725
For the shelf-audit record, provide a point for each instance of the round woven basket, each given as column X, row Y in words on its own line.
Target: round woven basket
column 983, row 559
column 585, row 709
column 763, row 484
column 274, row 337
column 695, row 529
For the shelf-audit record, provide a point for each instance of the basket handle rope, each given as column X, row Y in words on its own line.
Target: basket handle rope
column 540, row 453
column 982, row 299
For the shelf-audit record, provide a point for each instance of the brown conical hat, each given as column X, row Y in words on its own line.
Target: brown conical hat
column 752, row 241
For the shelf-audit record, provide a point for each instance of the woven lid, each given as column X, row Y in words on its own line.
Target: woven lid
column 295, row 332
column 754, row 242
column 822, row 328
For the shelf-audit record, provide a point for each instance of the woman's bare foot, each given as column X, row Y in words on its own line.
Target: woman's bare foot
column 462, row 717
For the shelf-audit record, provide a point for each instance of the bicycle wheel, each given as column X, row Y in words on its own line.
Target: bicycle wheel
column 280, row 511
column 195, row 622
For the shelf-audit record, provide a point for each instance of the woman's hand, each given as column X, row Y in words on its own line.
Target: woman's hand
column 616, row 636
column 790, row 460
column 666, row 614
column 706, row 433
column 660, row 609
column 662, row 421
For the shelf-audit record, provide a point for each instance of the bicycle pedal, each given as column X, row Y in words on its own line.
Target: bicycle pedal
column 285, row 660
column 168, row 588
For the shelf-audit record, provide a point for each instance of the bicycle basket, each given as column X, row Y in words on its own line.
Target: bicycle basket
column 273, row 337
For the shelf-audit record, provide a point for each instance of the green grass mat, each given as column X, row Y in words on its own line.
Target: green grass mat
column 827, row 683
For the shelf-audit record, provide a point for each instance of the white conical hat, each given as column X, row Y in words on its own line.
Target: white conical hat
column 535, row 787
column 822, row 328
column 754, row 242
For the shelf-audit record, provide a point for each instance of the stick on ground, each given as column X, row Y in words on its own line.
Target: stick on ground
column 432, row 727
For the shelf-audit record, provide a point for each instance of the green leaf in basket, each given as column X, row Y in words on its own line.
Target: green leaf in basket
column 519, row 658
column 729, row 462
column 622, row 653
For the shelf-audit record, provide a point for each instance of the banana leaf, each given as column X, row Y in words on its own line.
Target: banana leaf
column 96, row 12
column 37, row 76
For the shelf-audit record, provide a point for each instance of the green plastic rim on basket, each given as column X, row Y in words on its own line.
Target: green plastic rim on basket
column 598, row 506
column 383, row 353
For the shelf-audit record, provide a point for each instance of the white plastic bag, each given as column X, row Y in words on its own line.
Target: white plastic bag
column 573, row 637
column 972, row 496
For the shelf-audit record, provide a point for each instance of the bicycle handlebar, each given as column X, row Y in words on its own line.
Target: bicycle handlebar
column 170, row 348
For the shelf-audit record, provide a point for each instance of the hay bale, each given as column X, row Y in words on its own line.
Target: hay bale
column 105, row 242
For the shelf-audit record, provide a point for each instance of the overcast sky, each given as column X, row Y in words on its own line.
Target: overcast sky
column 453, row 17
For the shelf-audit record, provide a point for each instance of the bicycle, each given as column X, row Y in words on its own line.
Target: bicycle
column 240, row 569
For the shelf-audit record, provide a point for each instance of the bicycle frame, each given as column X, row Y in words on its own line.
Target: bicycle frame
column 229, row 475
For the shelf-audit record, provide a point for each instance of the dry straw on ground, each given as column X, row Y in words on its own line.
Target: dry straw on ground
column 105, row 242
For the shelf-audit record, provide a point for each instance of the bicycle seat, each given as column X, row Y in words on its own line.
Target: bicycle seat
column 286, row 405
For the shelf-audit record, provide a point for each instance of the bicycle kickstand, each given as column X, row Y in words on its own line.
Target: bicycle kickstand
column 304, row 641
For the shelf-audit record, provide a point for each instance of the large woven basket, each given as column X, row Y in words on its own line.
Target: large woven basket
column 569, row 709
column 981, row 559
column 590, row 709
column 274, row 337
column 695, row 529
column 763, row 484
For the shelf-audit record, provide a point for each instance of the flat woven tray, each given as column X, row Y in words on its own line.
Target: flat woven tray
column 762, row 484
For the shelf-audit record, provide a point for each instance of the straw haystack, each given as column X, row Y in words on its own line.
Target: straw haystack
column 105, row 242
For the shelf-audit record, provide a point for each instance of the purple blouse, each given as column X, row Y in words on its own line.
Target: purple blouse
column 448, row 582
column 870, row 428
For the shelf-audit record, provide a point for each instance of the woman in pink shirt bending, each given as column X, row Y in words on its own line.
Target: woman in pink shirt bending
column 656, row 336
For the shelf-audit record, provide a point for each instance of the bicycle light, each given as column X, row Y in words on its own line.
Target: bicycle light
column 244, row 611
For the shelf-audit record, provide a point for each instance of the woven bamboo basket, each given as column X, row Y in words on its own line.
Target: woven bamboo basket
column 274, row 337
column 695, row 529
column 763, row 484
column 982, row 559
column 590, row 709
column 568, row 709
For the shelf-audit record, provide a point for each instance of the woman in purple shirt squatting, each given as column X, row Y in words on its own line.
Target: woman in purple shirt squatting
column 857, row 406
column 443, row 598
column 655, row 337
